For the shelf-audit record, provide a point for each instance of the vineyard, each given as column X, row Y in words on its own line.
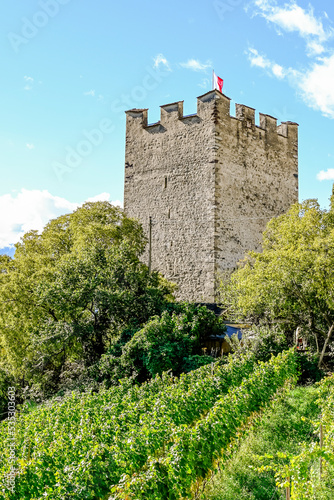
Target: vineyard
column 310, row 474
column 153, row 441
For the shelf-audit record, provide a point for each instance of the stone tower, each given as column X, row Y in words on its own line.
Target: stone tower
column 210, row 182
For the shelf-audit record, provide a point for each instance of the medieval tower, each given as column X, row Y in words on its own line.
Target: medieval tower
column 209, row 182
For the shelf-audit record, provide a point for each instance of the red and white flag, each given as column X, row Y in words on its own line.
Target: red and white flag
column 217, row 82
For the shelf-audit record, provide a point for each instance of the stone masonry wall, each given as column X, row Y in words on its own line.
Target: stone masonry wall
column 210, row 182
column 256, row 179
column 170, row 176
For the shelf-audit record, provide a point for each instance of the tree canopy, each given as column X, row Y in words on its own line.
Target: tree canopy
column 68, row 290
column 172, row 342
column 292, row 280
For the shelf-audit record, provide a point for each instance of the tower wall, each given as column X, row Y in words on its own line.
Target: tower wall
column 210, row 182
column 256, row 180
column 170, row 176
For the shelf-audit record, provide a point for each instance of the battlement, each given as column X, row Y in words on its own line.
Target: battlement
column 212, row 105
column 204, row 186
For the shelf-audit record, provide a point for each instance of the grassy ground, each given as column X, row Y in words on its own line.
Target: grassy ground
column 281, row 429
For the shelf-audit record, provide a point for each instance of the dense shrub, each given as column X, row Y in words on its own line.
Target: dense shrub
column 308, row 368
column 262, row 340
column 171, row 342
column 68, row 292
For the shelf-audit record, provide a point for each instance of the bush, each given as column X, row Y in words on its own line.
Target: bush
column 308, row 367
column 263, row 341
column 195, row 361
column 171, row 342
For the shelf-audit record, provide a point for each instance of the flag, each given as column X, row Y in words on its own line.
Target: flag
column 217, row 82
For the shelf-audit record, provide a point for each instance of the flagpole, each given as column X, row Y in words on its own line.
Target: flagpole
column 213, row 71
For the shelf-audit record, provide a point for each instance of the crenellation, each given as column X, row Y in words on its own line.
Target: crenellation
column 217, row 107
column 173, row 111
column 292, row 133
column 245, row 114
column 282, row 129
column 139, row 115
column 210, row 181
column 268, row 123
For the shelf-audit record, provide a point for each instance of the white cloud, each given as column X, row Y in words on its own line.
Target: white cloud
column 26, row 211
column 317, row 87
column 32, row 209
column 261, row 61
column 196, row 65
column 90, row 92
column 257, row 60
column 161, row 60
column 105, row 197
column 315, row 48
column 314, row 82
column 100, row 197
column 30, row 146
column 326, row 175
column 278, row 70
column 292, row 18
column 28, row 79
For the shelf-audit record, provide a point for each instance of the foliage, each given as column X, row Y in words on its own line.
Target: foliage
column 195, row 448
column 308, row 367
column 302, row 472
column 69, row 289
column 171, row 342
column 262, row 340
column 278, row 429
column 79, row 446
column 195, row 361
column 292, row 280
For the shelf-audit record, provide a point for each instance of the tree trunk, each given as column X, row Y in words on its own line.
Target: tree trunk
column 325, row 345
column 316, row 342
column 311, row 329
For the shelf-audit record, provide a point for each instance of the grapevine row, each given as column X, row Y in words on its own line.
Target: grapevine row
column 87, row 443
column 308, row 474
column 195, row 448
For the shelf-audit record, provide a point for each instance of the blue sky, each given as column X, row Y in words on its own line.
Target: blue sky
column 71, row 68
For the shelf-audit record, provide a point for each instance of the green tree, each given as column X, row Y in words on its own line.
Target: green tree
column 172, row 341
column 292, row 281
column 68, row 290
